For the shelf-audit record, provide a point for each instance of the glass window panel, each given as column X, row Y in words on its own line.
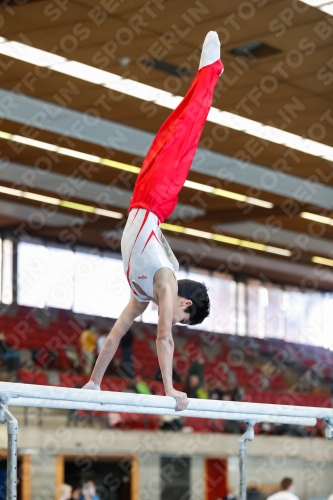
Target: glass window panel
column 115, row 290
column 253, row 307
column 263, row 304
column 181, row 274
column 241, row 309
column 60, row 278
column 32, row 272
column 327, row 320
column 1, row 273
column 7, row 272
column 314, row 320
column 150, row 315
column 94, row 283
column 100, row 285
column 87, row 289
column 222, row 293
column 296, row 303
column 274, row 313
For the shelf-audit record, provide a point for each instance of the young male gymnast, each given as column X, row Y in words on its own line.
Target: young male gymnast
column 149, row 263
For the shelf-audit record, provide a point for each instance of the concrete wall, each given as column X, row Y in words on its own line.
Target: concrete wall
column 43, row 469
column 88, row 440
column 197, row 473
column 149, row 477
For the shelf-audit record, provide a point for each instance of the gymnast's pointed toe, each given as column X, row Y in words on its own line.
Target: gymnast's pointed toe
column 210, row 50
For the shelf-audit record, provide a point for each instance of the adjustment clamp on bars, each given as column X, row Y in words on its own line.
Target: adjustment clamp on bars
column 329, row 428
column 5, row 398
column 249, row 434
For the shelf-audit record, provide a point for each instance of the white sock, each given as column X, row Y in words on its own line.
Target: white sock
column 210, row 49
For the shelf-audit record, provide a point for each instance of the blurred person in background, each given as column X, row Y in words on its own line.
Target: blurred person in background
column 13, row 364
column 217, row 390
column 193, row 386
column 126, row 351
column 197, row 368
column 3, row 347
column 11, row 356
column 73, row 356
column 203, row 392
column 101, row 339
column 226, row 374
column 114, row 420
column 64, row 492
column 175, row 375
column 237, row 393
column 264, row 381
column 170, row 423
column 231, row 377
column 233, row 426
column 88, row 339
column 286, row 491
column 331, row 391
column 88, row 492
column 265, row 429
column 252, row 492
column 76, row 493
column 141, row 386
column 282, row 430
column 230, row 495
column 249, row 367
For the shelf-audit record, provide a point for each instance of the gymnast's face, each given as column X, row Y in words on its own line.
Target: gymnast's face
column 179, row 314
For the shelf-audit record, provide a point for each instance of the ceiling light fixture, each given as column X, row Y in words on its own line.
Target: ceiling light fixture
column 79, row 70
column 227, row 194
column 325, row 6
column 317, row 218
column 168, row 227
column 322, row 260
column 139, row 90
column 328, row 8
column 128, row 168
column 120, row 166
column 225, row 239
column 61, row 203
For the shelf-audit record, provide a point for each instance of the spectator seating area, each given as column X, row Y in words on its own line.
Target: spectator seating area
column 47, row 335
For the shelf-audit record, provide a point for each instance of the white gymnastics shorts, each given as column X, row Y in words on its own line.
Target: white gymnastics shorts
column 144, row 251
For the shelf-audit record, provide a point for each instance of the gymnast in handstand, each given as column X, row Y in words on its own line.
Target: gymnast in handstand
column 149, row 262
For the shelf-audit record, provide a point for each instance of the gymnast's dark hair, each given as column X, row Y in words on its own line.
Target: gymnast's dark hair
column 197, row 293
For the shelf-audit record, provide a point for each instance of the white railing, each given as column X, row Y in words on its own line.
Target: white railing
column 65, row 398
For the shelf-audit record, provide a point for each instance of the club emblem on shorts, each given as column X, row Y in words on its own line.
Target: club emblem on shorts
column 142, row 277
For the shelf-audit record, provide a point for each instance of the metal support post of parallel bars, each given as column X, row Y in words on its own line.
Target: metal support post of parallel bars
column 248, row 436
column 12, row 431
column 27, row 395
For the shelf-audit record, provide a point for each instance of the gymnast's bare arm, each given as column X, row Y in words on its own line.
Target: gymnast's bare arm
column 122, row 325
column 166, row 290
